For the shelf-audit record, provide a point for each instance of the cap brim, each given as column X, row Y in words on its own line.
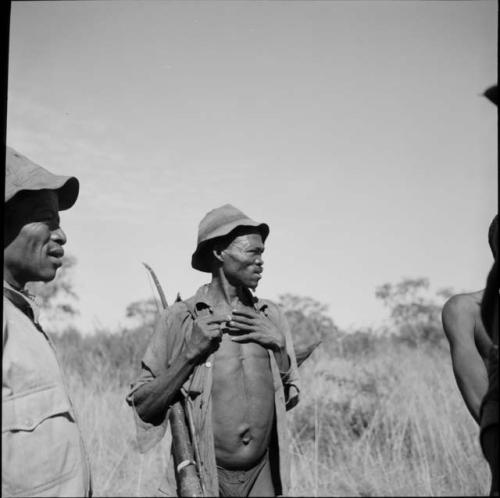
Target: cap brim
column 22, row 174
column 68, row 193
column 67, row 190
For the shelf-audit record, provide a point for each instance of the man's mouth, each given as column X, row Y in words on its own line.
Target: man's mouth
column 56, row 253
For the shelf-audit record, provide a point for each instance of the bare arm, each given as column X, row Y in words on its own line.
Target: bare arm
column 153, row 398
column 470, row 372
column 489, row 304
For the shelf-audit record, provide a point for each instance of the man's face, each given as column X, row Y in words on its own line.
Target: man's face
column 33, row 239
column 242, row 260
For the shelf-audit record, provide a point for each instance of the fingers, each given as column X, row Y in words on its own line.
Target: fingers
column 217, row 319
column 245, row 314
column 242, row 320
column 243, row 338
column 233, row 325
column 215, row 330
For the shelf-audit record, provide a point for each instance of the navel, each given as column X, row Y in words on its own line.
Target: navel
column 244, row 432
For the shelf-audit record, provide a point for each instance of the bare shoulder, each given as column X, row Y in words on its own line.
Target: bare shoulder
column 462, row 304
column 459, row 315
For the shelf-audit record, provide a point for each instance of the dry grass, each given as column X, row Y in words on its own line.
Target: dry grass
column 401, row 429
column 386, row 423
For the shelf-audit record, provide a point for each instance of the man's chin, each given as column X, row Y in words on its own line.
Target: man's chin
column 47, row 276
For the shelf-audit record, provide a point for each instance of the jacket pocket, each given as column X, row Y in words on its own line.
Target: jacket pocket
column 40, row 441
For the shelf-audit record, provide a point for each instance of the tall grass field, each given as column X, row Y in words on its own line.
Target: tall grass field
column 386, row 419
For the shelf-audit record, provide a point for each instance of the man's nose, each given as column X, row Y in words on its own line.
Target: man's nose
column 58, row 236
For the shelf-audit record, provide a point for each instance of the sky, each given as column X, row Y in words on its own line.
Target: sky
column 356, row 130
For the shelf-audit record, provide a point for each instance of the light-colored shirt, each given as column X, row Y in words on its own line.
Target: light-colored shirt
column 43, row 453
column 172, row 329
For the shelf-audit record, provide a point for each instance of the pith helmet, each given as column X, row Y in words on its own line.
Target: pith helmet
column 218, row 223
column 23, row 174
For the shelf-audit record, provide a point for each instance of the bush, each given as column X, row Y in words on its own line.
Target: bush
column 105, row 356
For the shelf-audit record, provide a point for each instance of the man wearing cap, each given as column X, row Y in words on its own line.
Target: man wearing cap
column 233, row 355
column 489, row 419
column 470, row 322
column 42, row 450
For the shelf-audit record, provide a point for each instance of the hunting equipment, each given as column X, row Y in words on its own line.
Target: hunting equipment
column 184, row 442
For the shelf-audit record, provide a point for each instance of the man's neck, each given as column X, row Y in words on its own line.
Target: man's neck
column 13, row 282
column 222, row 291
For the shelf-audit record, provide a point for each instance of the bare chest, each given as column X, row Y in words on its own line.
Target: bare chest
column 250, row 360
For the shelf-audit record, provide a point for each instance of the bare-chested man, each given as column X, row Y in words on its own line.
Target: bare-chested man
column 233, row 354
column 474, row 357
column 470, row 344
column 489, row 419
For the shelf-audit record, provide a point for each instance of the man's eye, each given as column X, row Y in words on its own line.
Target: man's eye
column 50, row 220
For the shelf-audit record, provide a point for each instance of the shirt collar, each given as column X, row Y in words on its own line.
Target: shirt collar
column 202, row 299
column 23, row 300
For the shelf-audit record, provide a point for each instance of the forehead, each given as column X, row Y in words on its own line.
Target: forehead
column 247, row 241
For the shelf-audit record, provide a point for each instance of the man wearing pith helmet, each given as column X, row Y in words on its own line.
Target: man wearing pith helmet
column 42, row 450
column 233, row 354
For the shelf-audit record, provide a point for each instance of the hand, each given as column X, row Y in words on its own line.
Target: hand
column 205, row 336
column 256, row 327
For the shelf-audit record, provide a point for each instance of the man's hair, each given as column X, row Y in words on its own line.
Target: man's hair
column 493, row 236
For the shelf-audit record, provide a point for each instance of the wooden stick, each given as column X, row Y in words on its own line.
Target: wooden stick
column 187, row 471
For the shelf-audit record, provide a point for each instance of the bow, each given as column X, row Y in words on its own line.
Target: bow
column 184, row 443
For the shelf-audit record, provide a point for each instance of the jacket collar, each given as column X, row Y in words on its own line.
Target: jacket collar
column 22, row 300
column 202, row 299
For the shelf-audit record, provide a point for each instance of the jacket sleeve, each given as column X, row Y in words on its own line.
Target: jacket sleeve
column 165, row 344
column 290, row 378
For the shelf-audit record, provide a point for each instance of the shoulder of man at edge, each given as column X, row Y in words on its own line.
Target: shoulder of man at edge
column 460, row 307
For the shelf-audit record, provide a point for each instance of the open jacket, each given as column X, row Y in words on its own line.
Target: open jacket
column 172, row 329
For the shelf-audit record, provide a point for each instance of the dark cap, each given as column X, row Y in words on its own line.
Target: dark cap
column 23, row 174
column 216, row 224
column 491, row 94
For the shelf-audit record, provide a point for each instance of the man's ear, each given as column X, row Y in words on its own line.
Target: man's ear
column 217, row 253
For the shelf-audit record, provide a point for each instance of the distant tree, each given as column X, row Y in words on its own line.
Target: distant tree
column 57, row 298
column 143, row 311
column 415, row 314
column 308, row 319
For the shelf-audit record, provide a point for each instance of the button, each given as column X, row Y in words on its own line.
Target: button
column 208, row 364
